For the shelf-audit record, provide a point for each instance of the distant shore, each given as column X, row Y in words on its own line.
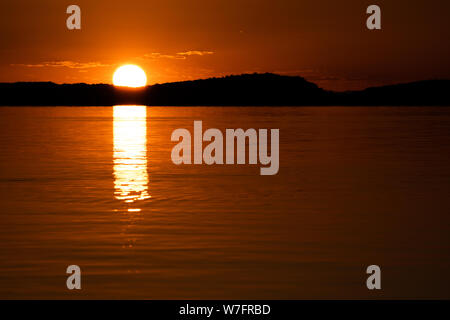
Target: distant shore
column 237, row 90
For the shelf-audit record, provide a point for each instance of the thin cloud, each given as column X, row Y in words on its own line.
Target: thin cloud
column 63, row 64
column 157, row 55
column 195, row 53
column 178, row 56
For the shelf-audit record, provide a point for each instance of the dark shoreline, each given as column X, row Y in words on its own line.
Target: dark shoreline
column 243, row 90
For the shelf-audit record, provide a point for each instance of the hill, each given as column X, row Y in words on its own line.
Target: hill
column 236, row 90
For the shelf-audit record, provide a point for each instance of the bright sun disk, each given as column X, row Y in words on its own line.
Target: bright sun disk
column 129, row 75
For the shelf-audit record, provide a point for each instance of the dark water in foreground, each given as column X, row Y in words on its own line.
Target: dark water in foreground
column 96, row 187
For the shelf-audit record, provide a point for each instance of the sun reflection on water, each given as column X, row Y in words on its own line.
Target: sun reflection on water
column 130, row 154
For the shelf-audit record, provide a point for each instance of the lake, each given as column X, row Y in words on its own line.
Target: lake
column 96, row 187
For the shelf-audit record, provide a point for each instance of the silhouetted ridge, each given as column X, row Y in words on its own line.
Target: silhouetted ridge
column 247, row 89
column 49, row 93
column 236, row 90
column 428, row 92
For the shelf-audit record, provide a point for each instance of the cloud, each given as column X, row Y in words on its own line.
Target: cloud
column 157, row 55
column 177, row 56
column 195, row 53
column 64, row 64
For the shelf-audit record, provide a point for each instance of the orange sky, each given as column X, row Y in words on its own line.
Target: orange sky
column 325, row 41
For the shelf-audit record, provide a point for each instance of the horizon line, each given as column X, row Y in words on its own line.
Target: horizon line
column 223, row 77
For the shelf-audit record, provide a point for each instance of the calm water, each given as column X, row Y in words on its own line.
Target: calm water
column 95, row 187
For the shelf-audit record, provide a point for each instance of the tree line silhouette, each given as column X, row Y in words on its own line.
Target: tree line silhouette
column 236, row 90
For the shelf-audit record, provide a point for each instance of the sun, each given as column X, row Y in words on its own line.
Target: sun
column 129, row 75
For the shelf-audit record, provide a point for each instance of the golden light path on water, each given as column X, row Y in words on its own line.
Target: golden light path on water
column 130, row 154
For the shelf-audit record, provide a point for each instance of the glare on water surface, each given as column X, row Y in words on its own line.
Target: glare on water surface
column 130, row 154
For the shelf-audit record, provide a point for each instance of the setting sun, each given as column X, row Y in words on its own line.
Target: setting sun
column 129, row 76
